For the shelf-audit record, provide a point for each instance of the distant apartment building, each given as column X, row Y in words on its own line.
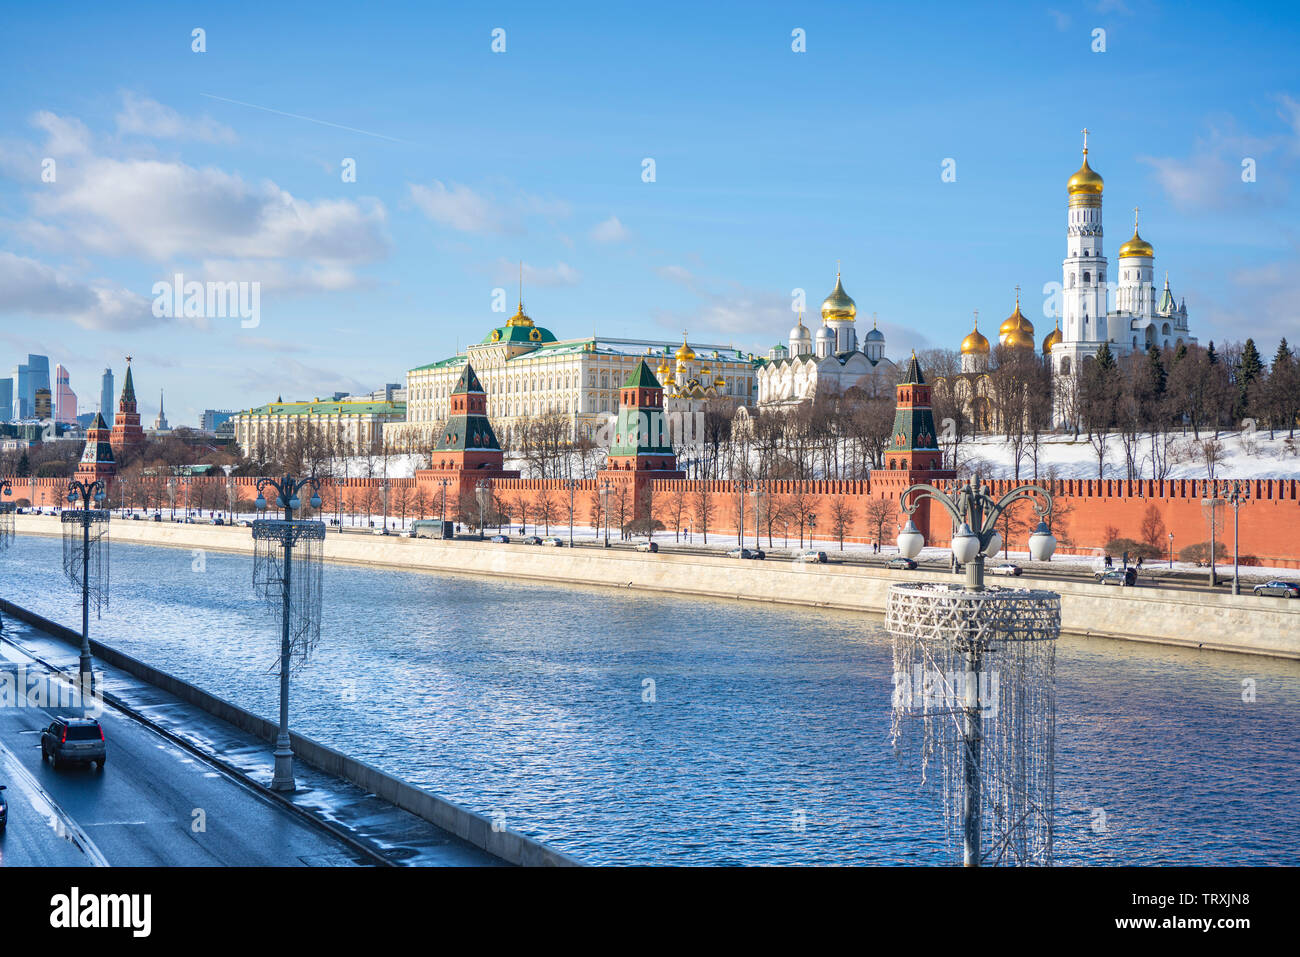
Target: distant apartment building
column 6, row 399
column 43, row 404
column 213, row 419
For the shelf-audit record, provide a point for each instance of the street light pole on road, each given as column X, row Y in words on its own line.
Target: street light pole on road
column 85, row 517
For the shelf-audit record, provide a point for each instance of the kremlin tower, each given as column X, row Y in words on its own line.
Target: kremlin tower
column 97, row 461
column 128, row 436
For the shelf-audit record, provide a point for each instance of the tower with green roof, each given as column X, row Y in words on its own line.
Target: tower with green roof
column 641, row 440
column 467, row 440
column 127, row 434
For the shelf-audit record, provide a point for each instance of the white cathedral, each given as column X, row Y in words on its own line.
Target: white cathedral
column 829, row 362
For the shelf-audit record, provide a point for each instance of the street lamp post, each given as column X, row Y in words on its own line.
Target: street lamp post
column 482, row 489
column 442, row 500
column 1234, row 496
column 1171, row 551
column 87, row 492
column 287, row 490
column 975, row 514
column 1212, row 502
column 744, row 487
column 6, row 522
column 604, row 502
column 571, row 484
column 760, row 498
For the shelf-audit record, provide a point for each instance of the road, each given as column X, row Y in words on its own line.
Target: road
column 152, row 804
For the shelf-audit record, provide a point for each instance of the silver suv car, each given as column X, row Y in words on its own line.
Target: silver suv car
column 73, row 741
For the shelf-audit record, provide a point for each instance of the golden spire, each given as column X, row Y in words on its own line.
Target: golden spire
column 1086, row 181
column 519, row 318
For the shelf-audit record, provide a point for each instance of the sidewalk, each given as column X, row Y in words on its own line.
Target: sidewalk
column 386, row 833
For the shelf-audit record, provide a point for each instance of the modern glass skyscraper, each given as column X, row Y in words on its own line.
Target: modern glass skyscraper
column 35, row 374
column 6, row 399
column 106, row 396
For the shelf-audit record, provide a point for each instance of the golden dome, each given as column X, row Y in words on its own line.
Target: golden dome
column 1052, row 339
column 838, row 305
column 1018, row 339
column 685, row 353
column 975, row 343
column 1137, row 246
column 719, row 383
column 1017, row 328
column 664, row 368
column 1086, row 180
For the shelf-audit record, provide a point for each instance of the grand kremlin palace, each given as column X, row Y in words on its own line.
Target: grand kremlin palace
column 526, row 371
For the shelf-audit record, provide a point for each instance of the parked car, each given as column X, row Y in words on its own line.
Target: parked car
column 4, row 811
column 1006, row 568
column 647, row 546
column 1118, row 576
column 819, row 557
column 532, row 540
column 501, row 539
column 157, row 517
column 73, row 740
column 380, row 531
column 553, row 541
column 901, row 563
column 1278, row 589
column 742, row 553
column 245, row 523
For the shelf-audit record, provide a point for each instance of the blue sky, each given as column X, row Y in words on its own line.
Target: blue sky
column 770, row 166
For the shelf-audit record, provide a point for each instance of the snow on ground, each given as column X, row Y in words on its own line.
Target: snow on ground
column 1245, row 455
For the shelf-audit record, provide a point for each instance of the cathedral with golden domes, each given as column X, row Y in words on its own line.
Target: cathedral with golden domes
column 830, row 362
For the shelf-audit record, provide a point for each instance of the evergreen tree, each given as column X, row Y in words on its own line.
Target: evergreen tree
column 24, row 468
column 1210, row 355
column 1283, row 390
column 1250, row 372
column 1157, row 377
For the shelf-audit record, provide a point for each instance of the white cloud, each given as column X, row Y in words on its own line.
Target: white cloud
column 64, row 136
column 142, row 116
column 467, row 210
column 29, row 287
column 160, row 209
column 610, row 231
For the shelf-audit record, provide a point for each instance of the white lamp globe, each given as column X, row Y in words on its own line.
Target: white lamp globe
column 965, row 544
column 1042, row 544
column 995, row 544
column 910, row 540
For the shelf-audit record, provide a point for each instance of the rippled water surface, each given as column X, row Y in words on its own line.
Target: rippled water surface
column 528, row 700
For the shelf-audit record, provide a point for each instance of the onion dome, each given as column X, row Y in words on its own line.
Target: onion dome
column 684, row 352
column 800, row 331
column 975, row 343
column 719, row 383
column 875, row 335
column 1016, row 330
column 1052, row 339
column 838, row 305
column 1086, row 180
column 1137, row 246
column 663, row 369
column 824, row 333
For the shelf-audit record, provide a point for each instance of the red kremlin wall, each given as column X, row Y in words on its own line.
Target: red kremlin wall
column 1088, row 512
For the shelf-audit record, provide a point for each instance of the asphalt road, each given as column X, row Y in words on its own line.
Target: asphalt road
column 143, row 808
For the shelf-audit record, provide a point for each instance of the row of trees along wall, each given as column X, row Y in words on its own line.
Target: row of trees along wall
column 1089, row 514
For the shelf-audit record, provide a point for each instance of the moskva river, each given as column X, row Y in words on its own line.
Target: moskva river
column 624, row 728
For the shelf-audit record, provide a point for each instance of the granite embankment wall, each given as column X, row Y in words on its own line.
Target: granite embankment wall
column 472, row 828
column 1222, row 622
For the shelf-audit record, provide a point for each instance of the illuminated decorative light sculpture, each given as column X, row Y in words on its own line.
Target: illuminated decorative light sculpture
column 292, row 591
column 85, row 563
column 975, row 684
